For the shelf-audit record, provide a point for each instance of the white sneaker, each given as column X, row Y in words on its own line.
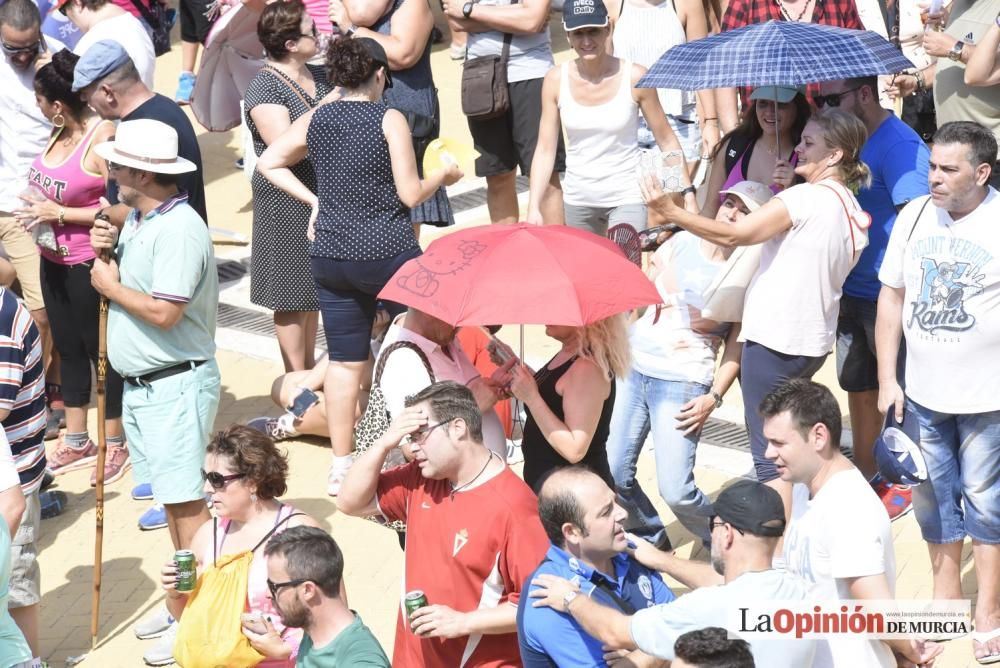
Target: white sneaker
column 162, row 653
column 155, row 625
column 338, row 470
column 514, row 453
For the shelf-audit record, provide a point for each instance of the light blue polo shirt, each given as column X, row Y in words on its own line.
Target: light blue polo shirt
column 551, row 638
column 167, row 254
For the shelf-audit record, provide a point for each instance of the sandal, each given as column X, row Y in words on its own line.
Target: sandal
column 982, row 638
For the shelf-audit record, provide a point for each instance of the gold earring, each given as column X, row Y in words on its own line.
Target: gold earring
column 58, row 120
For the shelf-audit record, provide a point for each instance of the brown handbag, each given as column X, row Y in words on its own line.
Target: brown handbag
column 484, row 85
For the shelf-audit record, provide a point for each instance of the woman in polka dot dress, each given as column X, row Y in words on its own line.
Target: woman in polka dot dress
column 286, row 88
column 360, row 228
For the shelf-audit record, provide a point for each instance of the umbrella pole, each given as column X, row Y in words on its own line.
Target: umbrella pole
column 777, row 130
column 517, row 407
column 102, row 449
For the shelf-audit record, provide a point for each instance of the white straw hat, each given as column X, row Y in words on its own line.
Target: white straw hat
column 147, row 145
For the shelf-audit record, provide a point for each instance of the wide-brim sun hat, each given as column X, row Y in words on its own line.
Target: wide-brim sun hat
column 145, row 144
column 897, row 450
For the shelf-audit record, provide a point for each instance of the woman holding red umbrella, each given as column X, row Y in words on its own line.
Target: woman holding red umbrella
column 569, row 400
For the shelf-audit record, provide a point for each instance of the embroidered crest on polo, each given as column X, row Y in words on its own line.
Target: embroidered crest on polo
column 574, row 565
column 645, row 587
column 461, row 539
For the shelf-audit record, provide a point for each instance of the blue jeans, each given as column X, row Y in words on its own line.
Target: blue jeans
column 645, row 404
column 961, row 496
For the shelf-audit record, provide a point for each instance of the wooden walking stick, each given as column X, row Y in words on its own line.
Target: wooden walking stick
column 102, row 451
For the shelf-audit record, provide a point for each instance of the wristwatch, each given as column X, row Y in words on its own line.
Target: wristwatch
column 568, row 598
column 717, row 397
column 690, row 189
column 467, row 9
column 956, row 51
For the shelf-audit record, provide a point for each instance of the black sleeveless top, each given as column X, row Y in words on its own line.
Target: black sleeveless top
column 539, row 456
column 360, row 214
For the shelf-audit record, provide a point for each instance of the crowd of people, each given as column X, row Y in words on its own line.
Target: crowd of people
column 859, row 212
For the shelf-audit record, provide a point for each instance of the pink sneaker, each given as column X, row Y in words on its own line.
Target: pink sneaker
column 66, row 458
column 116, row 463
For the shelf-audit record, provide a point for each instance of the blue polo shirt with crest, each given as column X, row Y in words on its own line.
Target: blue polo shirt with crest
column 551, row 638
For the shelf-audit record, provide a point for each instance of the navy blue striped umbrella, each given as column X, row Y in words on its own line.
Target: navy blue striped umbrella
column 776, row 53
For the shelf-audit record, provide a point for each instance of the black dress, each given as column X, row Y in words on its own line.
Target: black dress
column 539, row 456
column 280, row 275
column 413, row 92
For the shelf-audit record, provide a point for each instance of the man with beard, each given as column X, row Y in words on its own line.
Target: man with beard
column 747, row 520
column 305, row 568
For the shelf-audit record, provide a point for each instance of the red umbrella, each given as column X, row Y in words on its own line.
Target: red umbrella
column 521, row 274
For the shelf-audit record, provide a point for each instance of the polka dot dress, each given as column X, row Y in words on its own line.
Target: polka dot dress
column 280, row 276
column 360, row 214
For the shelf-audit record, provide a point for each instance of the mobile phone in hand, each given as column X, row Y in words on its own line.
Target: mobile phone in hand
column 303, row 402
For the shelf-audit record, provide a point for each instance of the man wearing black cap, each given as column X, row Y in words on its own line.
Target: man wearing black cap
column 839, row 538
column 747, row 520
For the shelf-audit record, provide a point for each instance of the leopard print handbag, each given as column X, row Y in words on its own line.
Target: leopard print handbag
column 375, row 422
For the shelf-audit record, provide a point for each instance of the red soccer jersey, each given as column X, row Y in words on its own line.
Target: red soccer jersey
column 468, row 551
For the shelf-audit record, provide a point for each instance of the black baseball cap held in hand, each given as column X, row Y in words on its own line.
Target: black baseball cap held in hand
column 584, row 14
column 752, row 507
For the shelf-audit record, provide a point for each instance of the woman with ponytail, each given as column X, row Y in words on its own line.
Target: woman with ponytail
column 812, row 235
column 68, row 180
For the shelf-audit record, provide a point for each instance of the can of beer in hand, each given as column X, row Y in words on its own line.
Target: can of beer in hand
column 186, row 572
column 413, row 601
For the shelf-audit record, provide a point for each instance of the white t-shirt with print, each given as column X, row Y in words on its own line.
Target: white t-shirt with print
column 793, row 300
column 131, row 34
column 951, row 304
column 404, row 375
column 843, row 532
column 656, row 629
column 672, row 340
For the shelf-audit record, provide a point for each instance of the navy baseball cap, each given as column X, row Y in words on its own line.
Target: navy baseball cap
column 897, row 453
column 752, row 507
column 100, row 60
column 584, row 14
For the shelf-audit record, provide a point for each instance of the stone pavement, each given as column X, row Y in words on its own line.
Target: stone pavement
column 249, row 362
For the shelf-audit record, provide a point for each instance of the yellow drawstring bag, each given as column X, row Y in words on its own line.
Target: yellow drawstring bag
column 210, row 632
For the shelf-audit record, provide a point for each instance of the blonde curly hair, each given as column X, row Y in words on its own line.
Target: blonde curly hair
column 605, row 343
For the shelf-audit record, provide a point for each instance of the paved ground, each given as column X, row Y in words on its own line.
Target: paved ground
column 249, row 363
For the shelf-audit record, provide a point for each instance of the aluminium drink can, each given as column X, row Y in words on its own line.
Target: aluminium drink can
column 186, row 572
column 413, row 601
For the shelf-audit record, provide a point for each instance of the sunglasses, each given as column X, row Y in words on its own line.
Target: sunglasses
column 218, row 481
column 312, row 34
column 37, row 47
column 274, row 587
column 114, row 166
column 833, row 99
column 713, row 525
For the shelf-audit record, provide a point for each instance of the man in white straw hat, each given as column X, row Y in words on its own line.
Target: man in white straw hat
column 164, row 292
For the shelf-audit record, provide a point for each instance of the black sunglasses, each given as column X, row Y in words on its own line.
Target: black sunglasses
column 713, row 525
column 833, row 99
column 219, row 481
column 314, row 33
column 273, row 587
column 36, row 47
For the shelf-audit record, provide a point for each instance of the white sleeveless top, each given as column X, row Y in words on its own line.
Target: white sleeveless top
column 602, row 154
column 642, row 35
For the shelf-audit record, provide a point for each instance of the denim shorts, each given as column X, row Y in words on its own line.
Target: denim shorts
column 347, row 292
column 961, row 496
